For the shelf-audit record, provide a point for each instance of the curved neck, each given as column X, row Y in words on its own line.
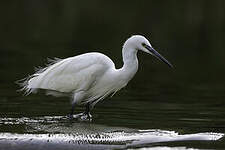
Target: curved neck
column 129, row 57
column 130, row 62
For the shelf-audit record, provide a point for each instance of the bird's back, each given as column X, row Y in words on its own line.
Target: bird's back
column 70, row 74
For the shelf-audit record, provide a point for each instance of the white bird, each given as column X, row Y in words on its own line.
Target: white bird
column 90, row 77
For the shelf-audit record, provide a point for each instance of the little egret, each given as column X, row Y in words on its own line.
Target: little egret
column 90, row 77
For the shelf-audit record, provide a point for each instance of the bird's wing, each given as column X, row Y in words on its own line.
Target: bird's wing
column 71, row 74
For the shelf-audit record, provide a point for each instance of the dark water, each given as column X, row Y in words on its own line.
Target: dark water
column 176, row 108
column 150, row 113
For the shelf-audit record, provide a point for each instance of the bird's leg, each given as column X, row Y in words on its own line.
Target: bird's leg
column 87, row 111
column 76, row 97
column 72, row 111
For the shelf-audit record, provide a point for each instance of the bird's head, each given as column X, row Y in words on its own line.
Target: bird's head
column 139, row 42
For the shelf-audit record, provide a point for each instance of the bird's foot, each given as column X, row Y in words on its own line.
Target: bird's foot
column 86, row 116
column 76, row 116
column 70, row 116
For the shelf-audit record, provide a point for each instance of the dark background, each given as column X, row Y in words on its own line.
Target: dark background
column 190, row 34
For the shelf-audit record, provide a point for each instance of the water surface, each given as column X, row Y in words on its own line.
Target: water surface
column 160, row 114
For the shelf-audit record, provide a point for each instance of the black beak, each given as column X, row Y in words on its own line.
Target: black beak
column 157, row 55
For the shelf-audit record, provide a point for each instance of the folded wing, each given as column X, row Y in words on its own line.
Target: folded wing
column 69, row 75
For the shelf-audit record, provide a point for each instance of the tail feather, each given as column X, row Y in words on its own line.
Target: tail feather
column 29, row 84
column 24, row 84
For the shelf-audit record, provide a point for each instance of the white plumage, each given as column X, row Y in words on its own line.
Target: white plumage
column 89, row 77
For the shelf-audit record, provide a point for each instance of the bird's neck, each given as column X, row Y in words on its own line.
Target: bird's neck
column 130, row 62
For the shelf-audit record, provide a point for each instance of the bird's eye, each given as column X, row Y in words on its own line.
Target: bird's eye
column 143, row 44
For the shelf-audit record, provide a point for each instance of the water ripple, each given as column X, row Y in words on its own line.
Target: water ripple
column 59, row 133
